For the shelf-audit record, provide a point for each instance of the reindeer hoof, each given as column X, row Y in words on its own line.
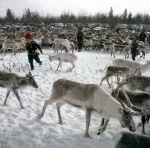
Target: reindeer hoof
column 22, row 107
column 5, row 104
column 40, row 116
column 61, row 123
column 87, row 136
column 144, row 133
column 139, row 124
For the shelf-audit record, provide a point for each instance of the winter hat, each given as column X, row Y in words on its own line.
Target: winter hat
column 80, row 28
column 28, row 36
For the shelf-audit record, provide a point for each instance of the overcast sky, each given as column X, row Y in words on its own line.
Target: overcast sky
column 57, row 7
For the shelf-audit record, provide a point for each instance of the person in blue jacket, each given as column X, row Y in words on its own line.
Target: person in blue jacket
column 134, row 48
column 142, row 35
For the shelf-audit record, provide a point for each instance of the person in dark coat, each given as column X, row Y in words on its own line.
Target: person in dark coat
column 142, row 35
column 134, row 48
column 32, row 47
column 80, row 38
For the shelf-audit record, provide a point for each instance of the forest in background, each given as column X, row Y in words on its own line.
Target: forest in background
column 109, row 18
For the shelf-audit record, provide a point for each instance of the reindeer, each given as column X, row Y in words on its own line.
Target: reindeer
column 113, row 70
column 90, row 97
column 63, row 42
column 132, row 64
column 125, row 99
column 138, row 99
column 138, row 82
column 143, row 48
column 125, row 139
column 13, row 82
column 108, row 44
column 64, row 57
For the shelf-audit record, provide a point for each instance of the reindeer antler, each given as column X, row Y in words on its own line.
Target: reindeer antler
column 23, row 69
column 137, row 111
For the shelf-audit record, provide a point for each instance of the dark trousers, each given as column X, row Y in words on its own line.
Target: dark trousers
column 30, row 59
column 80, row 46
column 133, row 56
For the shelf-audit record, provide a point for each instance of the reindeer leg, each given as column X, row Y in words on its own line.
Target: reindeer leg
column 105, row 77
column 7, row 94
column 144, row 55
column 103, row 128
column 147, row 118
column 108, row 82
column 58, row 106
column 72, row 66
column 113, row 52
column 87, row 116
column 59, row 64
column 16, row 93
column 127, row 55
column 72, row 51
column 143, row 124
column 47, row 102
column 102, row 123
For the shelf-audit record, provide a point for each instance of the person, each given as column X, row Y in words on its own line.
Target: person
column 142, row 35
column 80, row 38
column 134, row 48
column 31, row 47
column 117, row 30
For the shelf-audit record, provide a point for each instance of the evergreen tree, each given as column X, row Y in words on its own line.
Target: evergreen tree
column 110, row 18
column 129, row 19
column 9, row 16
column 124, row 16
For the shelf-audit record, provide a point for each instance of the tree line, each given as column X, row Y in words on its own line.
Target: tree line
column 67, row 17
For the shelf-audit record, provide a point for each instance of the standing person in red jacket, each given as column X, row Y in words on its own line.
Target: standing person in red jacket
column 32, row 47
column 80, row 38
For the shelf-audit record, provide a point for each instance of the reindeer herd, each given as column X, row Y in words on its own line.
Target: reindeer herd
column 101, row 40
column 124, row 102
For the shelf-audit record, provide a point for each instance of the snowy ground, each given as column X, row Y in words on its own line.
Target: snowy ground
column 20, row 128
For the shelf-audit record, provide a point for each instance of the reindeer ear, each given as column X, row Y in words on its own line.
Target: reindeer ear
column 121, row 110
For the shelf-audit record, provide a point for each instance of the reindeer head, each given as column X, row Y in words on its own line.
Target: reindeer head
column 72, row 45
column 126, row 119
column 31, row 80
column 51, row 58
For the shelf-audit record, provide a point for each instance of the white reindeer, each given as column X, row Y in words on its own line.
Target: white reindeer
column 13, row 82
column 64, row 57
column 108, row 44
column 113, row 70
column 63, row 42
column 132, row 64
column 88, row 43
column 13, row 45
column 90, row 97
column 124, row 48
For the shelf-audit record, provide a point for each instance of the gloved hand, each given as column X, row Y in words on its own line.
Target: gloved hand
column 41, row 52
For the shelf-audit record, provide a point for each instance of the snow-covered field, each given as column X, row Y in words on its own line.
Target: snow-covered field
column 20, row 128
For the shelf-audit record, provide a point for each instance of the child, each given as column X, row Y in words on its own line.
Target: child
column 31, row 47
column 134, row 48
